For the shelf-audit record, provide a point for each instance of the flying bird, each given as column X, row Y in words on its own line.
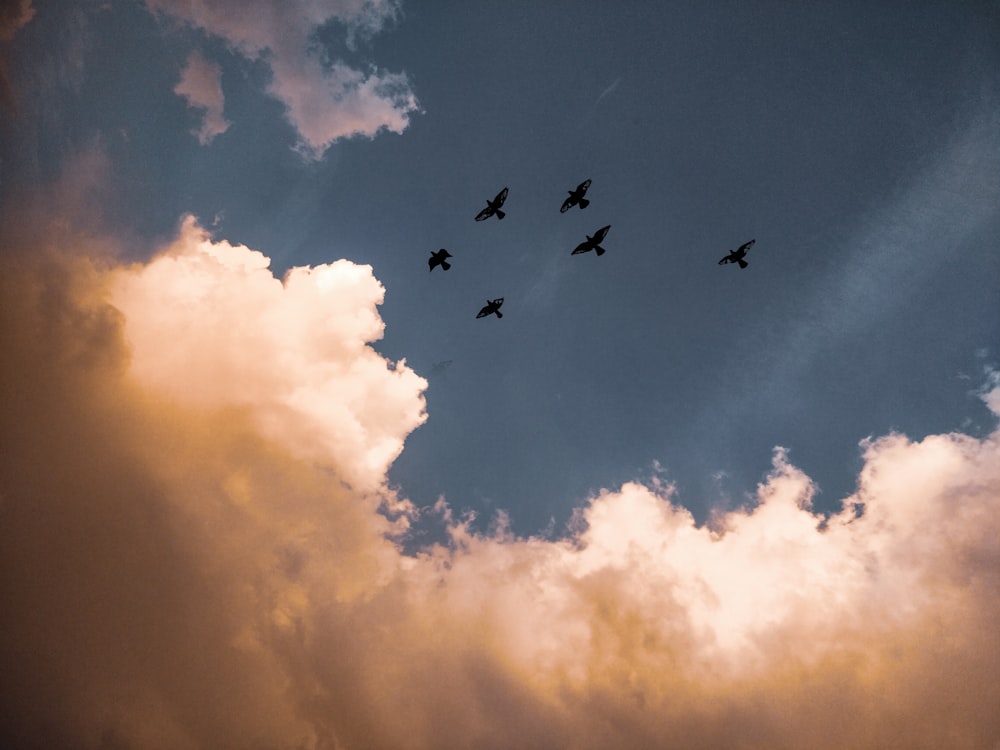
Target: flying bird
column 576, row 197
column 737, row 255
column 438, row 259
column 493, row 207
column 492, row 308
column 593, row 243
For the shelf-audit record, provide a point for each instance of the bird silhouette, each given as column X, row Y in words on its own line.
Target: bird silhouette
column 738, row 255
column 576, row 197
column 438, row 259
column 593, row 243
column 492, row 308
column 493, row 207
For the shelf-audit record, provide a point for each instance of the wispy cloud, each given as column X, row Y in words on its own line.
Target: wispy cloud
column 13, row 16
column 324, row 100
column 201, row 87
column 608, row 91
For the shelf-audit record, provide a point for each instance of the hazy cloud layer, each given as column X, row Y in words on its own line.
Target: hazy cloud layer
column 181, row 566
column 201, row 87
column 325, row 99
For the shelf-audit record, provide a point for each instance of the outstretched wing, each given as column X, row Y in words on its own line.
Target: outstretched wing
column 485, row 213
column 484, row 312
column 601, row 234
column 582, row 248
column 745, row 246
column 727, row 259
column 568, row 204
column 501, row 197
column 582, row 187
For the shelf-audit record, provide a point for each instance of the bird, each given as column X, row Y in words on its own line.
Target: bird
column 492, row 308
column 593, row 243
column 576, row 197
column 438, row 259
column 493, row 207
column 737, row 255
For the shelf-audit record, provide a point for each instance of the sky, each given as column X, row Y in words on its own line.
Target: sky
column 267, row 481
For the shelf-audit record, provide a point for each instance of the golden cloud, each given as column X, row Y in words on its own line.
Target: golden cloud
column 192, row 553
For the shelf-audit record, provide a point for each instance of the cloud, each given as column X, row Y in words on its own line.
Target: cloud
column 320, row 391
column 192, row 552
column 201, row 86
column 325, row 100
column 14, row 15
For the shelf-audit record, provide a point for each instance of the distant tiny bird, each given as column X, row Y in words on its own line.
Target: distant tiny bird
column 576, row 197
column 737, row 255
column 493, row 207
column 438, row 259
column 593, row 243
column 439, row 367
column 492, row 308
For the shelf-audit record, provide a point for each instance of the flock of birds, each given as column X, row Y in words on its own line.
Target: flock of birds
column 593, row 242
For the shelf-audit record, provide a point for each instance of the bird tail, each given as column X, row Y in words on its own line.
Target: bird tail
column 499, row 314
column 599, row 250
column 445, row 265
column 500, row 214
column 743, row 263
column 584, row 203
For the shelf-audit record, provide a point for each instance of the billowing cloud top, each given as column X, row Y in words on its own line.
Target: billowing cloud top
column 181, row 568
column 292, row 353
column 325, row 100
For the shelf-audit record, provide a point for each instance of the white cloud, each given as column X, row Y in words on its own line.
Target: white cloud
column 180, row 567
column 295, row 352
column 325, row 101
column 201, row 86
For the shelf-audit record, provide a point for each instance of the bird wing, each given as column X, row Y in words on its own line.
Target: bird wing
column 582, row 187
column 484, row 312
column 601, row 234
column 567, row 204
column 582, row 248
column 501, row 197
column 746, row 246
column 485, row 213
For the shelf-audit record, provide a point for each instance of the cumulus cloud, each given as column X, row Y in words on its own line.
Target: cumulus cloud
column 293, row 353
column 325, row 100
column 201, row 87
column 192, row 552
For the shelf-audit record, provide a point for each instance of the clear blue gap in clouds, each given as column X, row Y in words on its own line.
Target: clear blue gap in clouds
column 755, row 126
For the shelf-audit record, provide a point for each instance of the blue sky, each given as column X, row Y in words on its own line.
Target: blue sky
column 857, row 143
